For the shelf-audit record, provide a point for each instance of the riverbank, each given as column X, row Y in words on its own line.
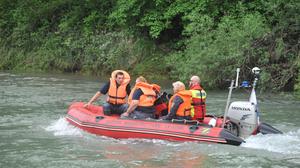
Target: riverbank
column 96, row 55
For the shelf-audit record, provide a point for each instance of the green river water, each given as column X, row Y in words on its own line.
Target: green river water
column 34, row 133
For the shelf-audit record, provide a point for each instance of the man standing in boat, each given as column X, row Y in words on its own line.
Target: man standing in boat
column 198, row 109
column 180, row 103
column 141, row 100
column 117, row 89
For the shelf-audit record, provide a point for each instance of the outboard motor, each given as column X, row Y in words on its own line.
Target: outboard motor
column 243, row 115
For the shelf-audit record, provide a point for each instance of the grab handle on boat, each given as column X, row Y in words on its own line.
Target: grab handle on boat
column 98, row 118
column 195, row 122
column 193, row 128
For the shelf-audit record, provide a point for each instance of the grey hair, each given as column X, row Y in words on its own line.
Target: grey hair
column 179, row 85
column 196, row 79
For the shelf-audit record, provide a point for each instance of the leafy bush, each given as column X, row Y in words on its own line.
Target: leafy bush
column 208, row 38
column 215, row 54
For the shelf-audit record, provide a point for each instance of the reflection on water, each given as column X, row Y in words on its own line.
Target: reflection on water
column 34, row 132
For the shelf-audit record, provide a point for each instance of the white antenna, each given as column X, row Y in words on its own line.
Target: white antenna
column 237, row 77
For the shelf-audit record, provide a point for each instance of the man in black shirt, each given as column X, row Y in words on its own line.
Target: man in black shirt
column 117, row 89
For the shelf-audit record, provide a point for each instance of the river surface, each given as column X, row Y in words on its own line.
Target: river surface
column 34, row 132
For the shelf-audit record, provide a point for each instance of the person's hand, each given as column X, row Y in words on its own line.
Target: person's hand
column 86, row 105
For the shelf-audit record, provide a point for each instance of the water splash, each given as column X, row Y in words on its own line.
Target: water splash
column 61, row 127
column 288, row 143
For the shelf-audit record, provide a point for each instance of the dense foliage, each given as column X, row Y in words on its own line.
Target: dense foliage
column 176, row 38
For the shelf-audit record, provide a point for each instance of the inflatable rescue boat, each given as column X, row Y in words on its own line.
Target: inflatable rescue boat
column 94, row 121
column 240, row 120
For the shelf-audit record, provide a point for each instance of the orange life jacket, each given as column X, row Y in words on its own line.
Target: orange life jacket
column 117, row 95
column 156, row 88
column 185, row 107
column 198, row 110
column 148, row 98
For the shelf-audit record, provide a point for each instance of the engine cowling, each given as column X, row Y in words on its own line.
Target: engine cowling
column 243, row 114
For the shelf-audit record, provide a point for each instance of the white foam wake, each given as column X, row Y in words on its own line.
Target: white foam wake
column 62, row 127
column 287, row 143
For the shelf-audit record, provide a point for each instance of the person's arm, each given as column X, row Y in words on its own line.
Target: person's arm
column 175, row 105
column 131, row 107
column 103, row 90
column 95, row 97
column 134, row 103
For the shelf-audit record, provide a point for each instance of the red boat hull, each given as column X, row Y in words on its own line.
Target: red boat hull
column 94, row 121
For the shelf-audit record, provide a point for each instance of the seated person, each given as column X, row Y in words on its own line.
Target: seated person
column 117, row 88
column 141, row 100
column 180, row 103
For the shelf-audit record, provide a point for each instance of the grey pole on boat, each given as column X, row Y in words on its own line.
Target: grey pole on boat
column 229, row 95
column 227, row 104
